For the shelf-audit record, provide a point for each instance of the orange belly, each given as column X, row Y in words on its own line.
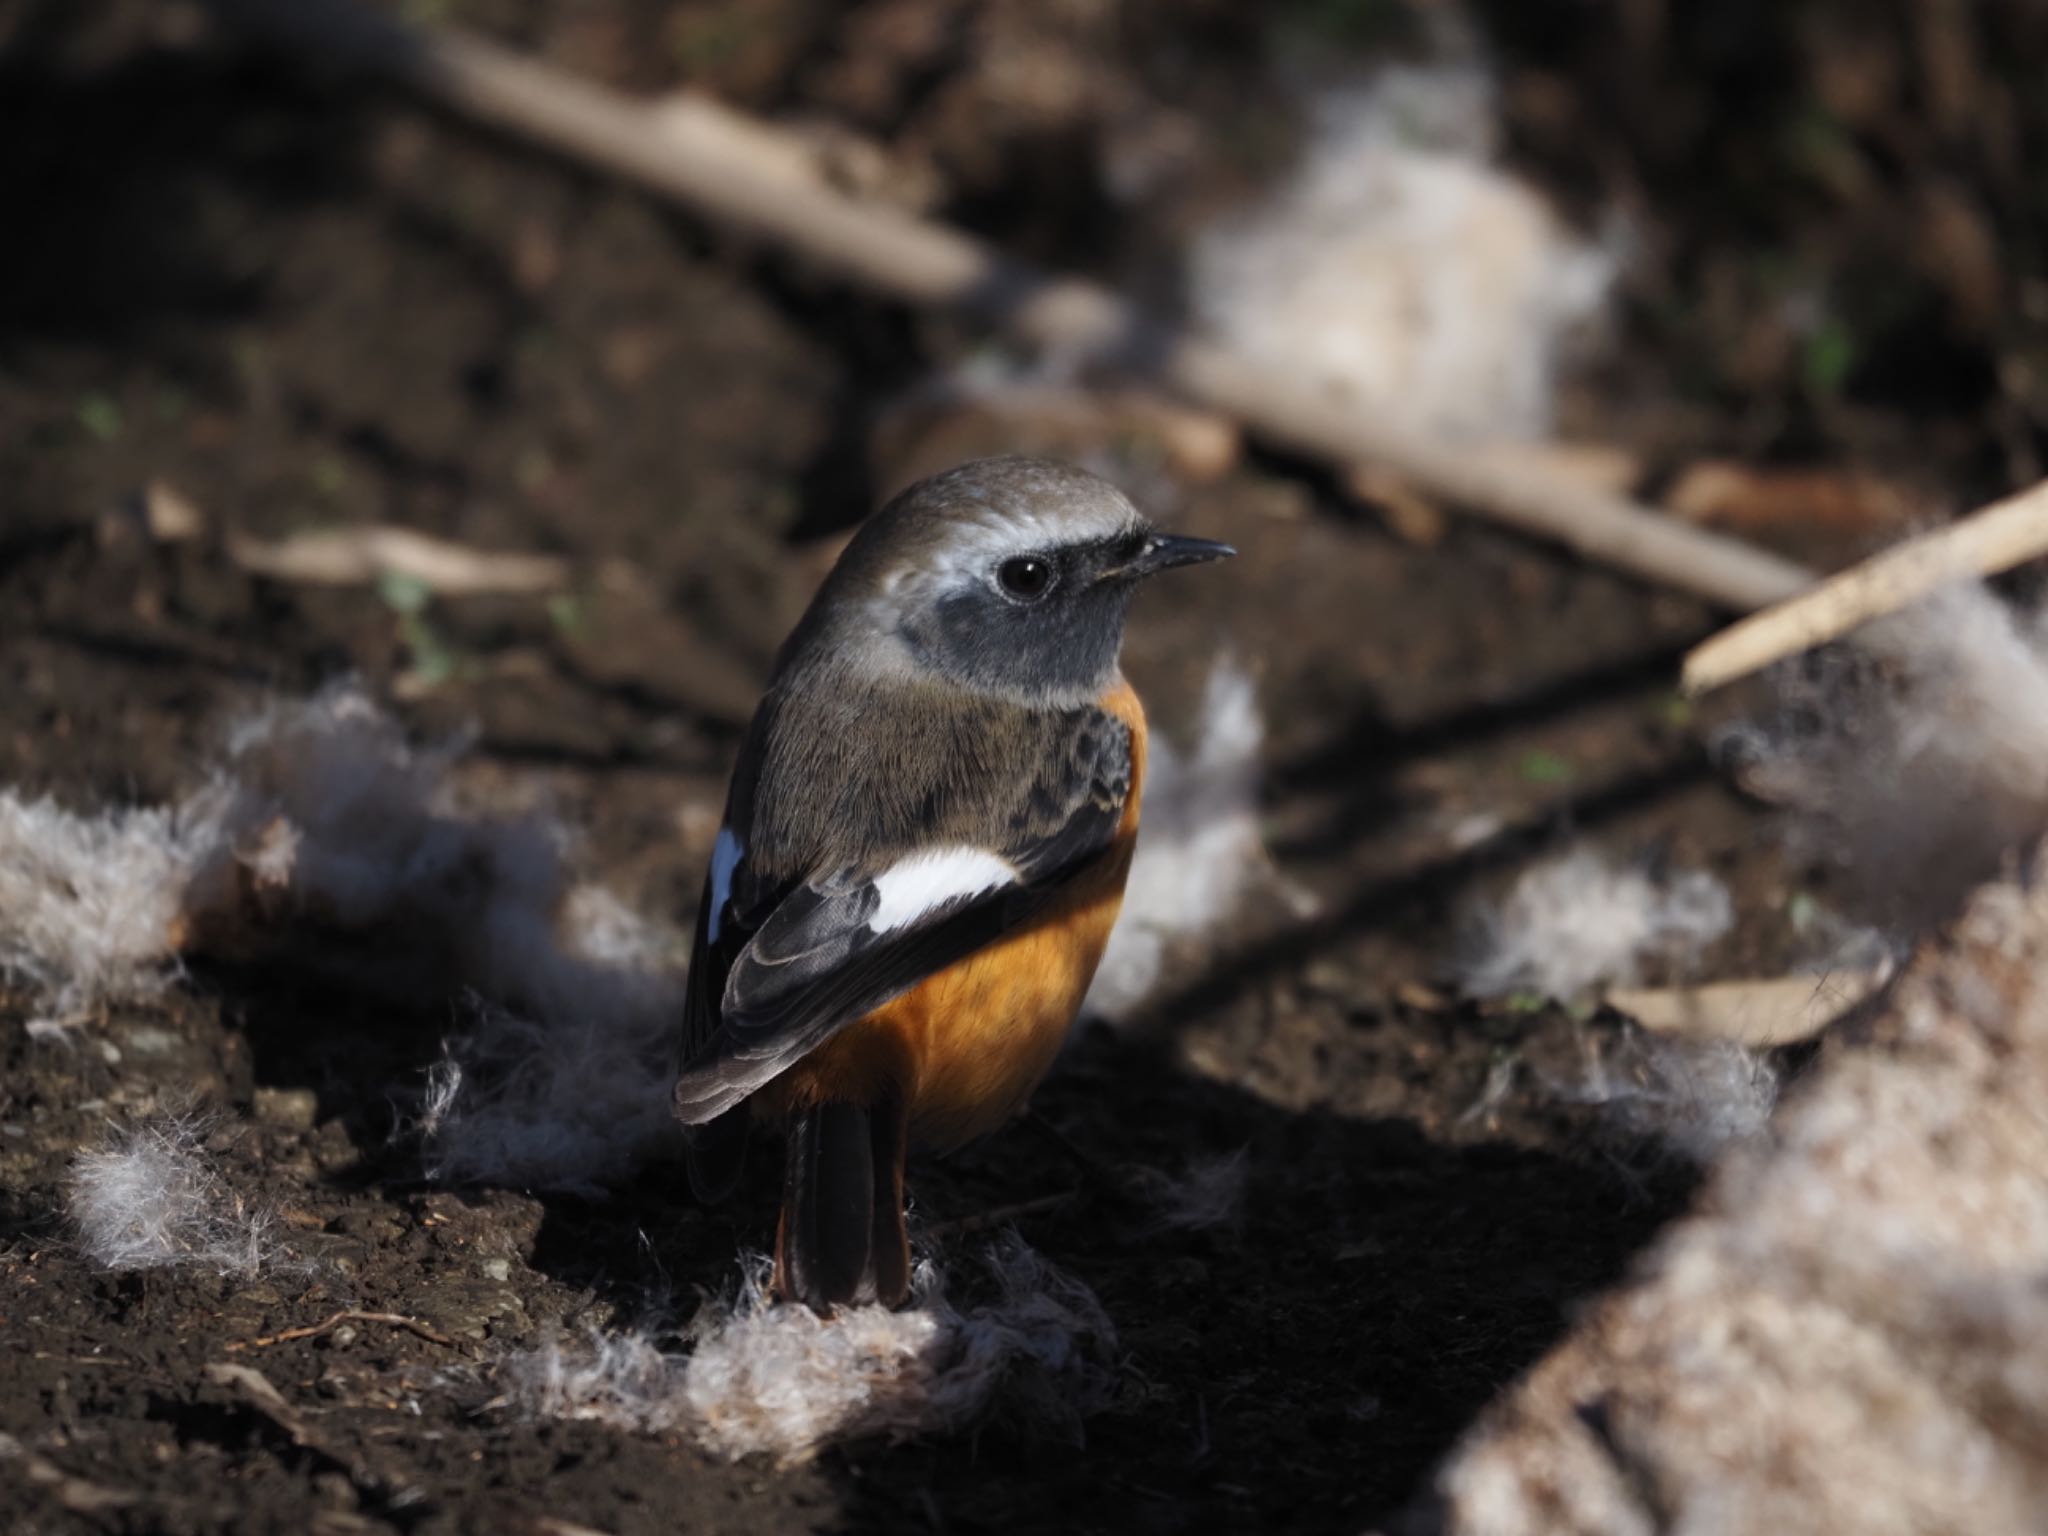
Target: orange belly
column 965, row 1047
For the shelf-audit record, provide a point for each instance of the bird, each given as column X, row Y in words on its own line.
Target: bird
column 924, row 848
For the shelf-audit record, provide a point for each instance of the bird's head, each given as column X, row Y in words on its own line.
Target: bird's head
column 1007, row 576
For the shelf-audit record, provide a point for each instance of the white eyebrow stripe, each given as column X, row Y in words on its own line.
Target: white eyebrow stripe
column 913, row 886
column 725, row 858
column 977, row 545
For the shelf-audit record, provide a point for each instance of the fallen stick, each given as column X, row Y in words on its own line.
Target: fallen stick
column 1993, row 539
column 1779, row 1011
column 355, row 556
column 411, row 1325
column 921, row 261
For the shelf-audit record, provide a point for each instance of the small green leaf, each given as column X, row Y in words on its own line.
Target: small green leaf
column 1527, row 1000
column 532, row 468
column 403, row 594
column 329, row 475
column 1541, row 767
column 1803, row 911
column 100, row 414
column 433, row 663
column 566, row 612
column 1829, row 358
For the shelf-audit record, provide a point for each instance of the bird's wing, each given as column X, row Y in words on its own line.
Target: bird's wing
column 779, row 972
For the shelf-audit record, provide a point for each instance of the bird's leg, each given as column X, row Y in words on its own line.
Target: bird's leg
column 824, row 1237
column 889, row 1133
column 788, row 1284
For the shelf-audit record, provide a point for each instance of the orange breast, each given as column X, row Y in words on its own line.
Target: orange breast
column 966, row 1046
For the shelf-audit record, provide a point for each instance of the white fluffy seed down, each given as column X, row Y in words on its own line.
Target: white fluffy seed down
column 782, row 1382
column 1199, row 852
column 324, row 833
column 151, row 1198
column 1695, row 1096
column 1580, row 921
column 1404, row 268
column 90, row 905
column 1208, row 1193
column 1849, row 1335
column 1919, row 765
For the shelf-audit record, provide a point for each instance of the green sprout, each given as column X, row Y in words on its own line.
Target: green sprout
column 100, row 414
column 1541, row 767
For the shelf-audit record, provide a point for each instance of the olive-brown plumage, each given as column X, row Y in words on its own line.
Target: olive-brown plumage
column 923, row 852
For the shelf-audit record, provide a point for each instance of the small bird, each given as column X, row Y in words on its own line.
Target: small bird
column 924, row 848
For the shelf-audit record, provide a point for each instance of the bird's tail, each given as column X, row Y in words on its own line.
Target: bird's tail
column 841, row 1237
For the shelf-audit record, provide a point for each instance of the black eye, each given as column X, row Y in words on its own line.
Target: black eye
column 1027, row 578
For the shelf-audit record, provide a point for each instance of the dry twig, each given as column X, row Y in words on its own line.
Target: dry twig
column 354, row 556
column 411, row 1325
column 1996, row 538
column 921, row 261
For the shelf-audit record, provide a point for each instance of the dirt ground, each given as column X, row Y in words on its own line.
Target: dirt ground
column 303, row 306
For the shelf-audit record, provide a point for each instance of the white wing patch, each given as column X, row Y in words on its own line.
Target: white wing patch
column 911, row 887
column 725, row 858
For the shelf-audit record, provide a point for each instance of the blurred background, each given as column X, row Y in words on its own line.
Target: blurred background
column 306, row 377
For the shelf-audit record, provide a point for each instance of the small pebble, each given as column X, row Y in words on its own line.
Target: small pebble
column 296, row 1108
column 152, row 1040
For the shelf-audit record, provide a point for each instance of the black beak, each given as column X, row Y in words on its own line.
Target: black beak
column 1164, row 551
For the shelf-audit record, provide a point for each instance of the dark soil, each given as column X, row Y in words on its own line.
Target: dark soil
column 302, row 306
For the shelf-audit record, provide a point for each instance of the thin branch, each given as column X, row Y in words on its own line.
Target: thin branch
column 354, row 556
column 924, row 262
column 411, row 1325
column 1993, row 539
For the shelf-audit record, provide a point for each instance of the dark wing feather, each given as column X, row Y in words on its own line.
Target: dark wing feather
column 709, row 964
column 812, row 964
column 749, row 902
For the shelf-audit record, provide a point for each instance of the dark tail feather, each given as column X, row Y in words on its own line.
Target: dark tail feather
column 889, row 1141
column 828, row 1198
column 716, row 1154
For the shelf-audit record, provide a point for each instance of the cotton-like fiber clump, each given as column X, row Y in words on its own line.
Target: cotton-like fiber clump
column 782, row 1382
column 1209, row 1193
column 90, row 905
column 1849, row 1336
column 1403, row 267
column 1579, row 922
column 151, row 1198
column 324, row 833
column 1199, row 852
column 1696, row 1096
column 559, row 1079
column 566, row 1103
column 1918, row 758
